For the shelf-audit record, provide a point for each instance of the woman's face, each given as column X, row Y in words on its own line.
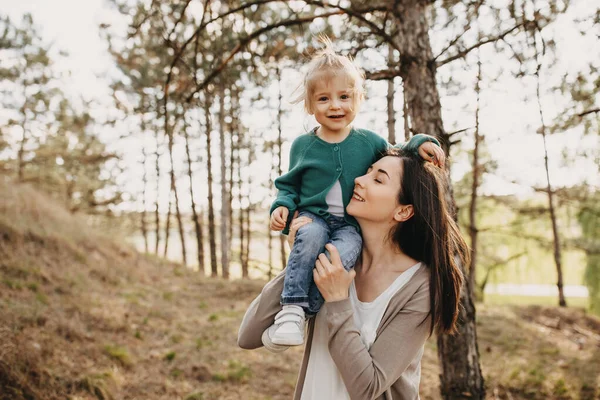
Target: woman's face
column 375, row 195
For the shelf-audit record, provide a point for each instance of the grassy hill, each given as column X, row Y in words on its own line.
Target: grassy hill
column 84, row 316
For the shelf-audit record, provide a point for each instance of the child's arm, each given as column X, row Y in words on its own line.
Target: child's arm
column 425, row 146
column 288, row 186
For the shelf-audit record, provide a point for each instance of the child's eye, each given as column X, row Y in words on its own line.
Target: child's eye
column 322, row 98
column 345, row 97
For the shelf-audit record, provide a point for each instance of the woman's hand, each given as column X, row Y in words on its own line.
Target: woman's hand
column 429, row 151
column 296, row 223
column 330, row 277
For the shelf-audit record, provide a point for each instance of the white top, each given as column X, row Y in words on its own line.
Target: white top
column 335, row 201
column 323, row 380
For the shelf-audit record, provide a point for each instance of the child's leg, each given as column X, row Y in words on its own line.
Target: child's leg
column 309, row 242
column 289, row 325
column 348, row 242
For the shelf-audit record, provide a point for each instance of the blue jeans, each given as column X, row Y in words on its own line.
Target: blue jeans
column 298, row 286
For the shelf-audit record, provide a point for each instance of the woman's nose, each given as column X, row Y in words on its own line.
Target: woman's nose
column 358, row 181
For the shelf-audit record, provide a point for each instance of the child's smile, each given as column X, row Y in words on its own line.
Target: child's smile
column 334, row 107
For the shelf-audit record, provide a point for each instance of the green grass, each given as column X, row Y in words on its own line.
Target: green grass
column 236, row 372
column 118, row 353
column 195, row 396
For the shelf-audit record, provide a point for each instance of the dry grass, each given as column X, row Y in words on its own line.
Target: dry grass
column 82, row 317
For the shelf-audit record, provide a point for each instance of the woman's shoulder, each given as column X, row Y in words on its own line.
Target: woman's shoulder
column 415, row 294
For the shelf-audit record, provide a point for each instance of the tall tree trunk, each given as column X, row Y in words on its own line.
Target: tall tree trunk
column 270, row 272
column 391, row 120
column 270, row 256
column 157, row 203
column 195, row 217
column 241, row 209
column 168, row 224
column 233, row 128
column 201, row 264
column 461, row 376
column 557, row 251
column 246, row 262
column 279, row 146
column 177, row 209
column 407, row 134
column 170, row 136
column 211, row 212
column 143, row 224
column 224, row 195
column 475, row 184
column 21, row 151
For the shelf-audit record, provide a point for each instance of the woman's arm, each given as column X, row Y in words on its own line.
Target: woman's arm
column 367, row 374
column 261, row 314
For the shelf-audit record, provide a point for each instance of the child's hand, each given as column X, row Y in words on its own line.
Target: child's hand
column 429, row 151
column 279, row 218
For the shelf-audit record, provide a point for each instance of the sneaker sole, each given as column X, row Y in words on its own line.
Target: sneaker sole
column 287, row 341
column 269, row 345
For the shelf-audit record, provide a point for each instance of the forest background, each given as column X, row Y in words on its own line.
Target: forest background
column 166, row 124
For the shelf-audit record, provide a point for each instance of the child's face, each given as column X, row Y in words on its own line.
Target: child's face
column 333, row 105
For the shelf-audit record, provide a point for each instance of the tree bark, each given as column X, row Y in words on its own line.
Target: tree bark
column 168, row 224
column 461, row 376
column 391, row 121
column 224, row 196
column 405, row 114
column 475, row 184
column 279, row 146
column 556, row 243
column 180, row 227
column 21, row 151
column 195, row 217
column 246, row 258
column 233, row 128
column 211, row 212
column 143, row 223
column 201, row 264
column 157, row 203
column 270, row 256
column 241, row 209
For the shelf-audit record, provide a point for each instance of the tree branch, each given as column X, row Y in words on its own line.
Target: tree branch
column 385, row 74
column 245, row 41
column 587, row 112
column 464, row 52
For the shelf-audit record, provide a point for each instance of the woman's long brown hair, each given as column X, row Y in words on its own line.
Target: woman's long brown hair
column 432, row 236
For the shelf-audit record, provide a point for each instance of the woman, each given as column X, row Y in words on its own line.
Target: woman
column 369, row 341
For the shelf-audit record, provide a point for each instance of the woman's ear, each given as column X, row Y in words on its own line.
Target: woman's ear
column 403, row 213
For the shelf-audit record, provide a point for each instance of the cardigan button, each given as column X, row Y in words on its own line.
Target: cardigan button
column 338, row 169
column 336, row 148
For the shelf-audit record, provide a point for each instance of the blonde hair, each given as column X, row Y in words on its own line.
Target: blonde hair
column 326, row 64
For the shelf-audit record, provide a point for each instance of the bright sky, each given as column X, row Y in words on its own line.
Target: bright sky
column 507, row 120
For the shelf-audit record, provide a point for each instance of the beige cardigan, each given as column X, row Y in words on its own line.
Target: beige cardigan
column 386, row 371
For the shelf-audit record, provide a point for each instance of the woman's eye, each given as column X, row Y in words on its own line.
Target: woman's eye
column 378, row 181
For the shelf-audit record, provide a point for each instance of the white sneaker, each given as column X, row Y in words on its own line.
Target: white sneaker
column 287, row 330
